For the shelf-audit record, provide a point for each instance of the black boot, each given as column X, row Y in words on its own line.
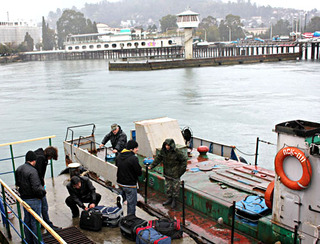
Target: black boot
column 167, row 202
column 174, row 203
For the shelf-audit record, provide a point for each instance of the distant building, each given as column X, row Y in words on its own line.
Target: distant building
column 15, row 31
column 257, row 31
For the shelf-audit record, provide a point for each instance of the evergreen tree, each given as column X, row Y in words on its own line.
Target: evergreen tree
column 168, row 22
column 28, row 42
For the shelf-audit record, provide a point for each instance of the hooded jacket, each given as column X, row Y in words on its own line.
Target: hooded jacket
column 129, row 168
column 174, row 161
column 118, row 141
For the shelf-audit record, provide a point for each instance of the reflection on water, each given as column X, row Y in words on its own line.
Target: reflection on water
column 229, row 104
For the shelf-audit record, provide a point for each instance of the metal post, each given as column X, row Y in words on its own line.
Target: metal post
column 39, row 232
column 183, row 205
column 51, row 165
column 6, row 211
column 257, row 149
column 146, row 184
column 295, row 234
column 20, row 220
column 233, row 217
column 13, row 165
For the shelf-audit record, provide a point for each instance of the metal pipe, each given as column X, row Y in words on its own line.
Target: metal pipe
column 233, row 217
column 146, row 184
column 183, row 205
column 295, row 234
column 51, row 165
column 6, row 211
column 13, row 165
column 257, row 149
column 20, row 221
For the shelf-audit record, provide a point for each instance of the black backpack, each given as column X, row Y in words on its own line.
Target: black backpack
column 129, row 224
column 167, row 227
column 91, row 220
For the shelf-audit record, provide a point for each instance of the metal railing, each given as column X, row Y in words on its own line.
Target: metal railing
column 20, row 202
column 12, row 157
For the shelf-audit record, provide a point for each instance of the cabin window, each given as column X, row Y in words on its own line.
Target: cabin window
column 143, row 43
column 114, row 45
column 170, row 42
column 84, row 47
column 129, row 44
column 77, row 47
column 69, row 48
column 91, row 46
column 179, row 19
column 99, row 46
column 106, row 45
column 136, row 44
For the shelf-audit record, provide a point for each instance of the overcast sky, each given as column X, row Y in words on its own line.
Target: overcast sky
column 35, row 9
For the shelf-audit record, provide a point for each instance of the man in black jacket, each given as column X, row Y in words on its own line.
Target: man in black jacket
column 128, row 172
column 31, row 191
column 117, row 137
column 43, row 156
column 81, row 191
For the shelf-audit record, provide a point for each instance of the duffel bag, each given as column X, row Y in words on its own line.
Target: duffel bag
column 91, row 220
column 167, row 227
column 148, row 235
column 252, row 208
column 110, row 215
column 129, row 224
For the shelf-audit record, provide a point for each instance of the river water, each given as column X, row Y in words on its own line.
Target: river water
column 227, row 104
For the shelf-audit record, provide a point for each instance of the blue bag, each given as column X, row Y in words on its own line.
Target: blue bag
column 148, row 235
column 110, row 215
column 252, row 208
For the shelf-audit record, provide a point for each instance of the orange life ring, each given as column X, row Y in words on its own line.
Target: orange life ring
column 268, row 195
column 305, row 163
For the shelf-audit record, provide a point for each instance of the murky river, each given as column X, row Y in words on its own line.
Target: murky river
column 229, row 104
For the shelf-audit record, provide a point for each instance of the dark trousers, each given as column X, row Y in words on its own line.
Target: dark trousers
column 73, row 205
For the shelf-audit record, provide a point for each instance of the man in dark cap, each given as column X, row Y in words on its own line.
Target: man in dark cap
column 43, row 156
column 81, row 191
column 174, row 166
column 128, row 172
column 117, row 137
column 31, row 191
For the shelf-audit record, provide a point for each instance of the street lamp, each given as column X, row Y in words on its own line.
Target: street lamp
column 229, row 33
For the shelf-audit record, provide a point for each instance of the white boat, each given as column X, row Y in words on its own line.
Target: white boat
column 117, row 41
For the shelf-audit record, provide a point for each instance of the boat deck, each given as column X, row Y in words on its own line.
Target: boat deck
column 60, row 214
column 212, row 184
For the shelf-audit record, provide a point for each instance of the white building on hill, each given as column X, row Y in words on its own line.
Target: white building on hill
column 15, row 31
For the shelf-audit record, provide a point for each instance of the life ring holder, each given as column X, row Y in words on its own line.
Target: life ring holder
column 306, row 168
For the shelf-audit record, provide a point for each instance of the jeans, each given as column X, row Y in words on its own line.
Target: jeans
column 29, row 220
column 44, row 211
column 129, row 194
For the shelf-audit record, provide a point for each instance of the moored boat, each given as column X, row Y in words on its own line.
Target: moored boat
column 217, row 182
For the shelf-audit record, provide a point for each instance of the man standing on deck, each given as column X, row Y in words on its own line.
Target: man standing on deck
column 43, row 156
column 128, row 172
column 31, row 191
column 117, row 137
column 174, row 166
column 81, row 191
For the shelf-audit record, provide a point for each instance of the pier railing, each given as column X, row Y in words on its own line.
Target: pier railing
column 6, row 208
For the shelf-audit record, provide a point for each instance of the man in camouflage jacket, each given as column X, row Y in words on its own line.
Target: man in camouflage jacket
column 174, row 166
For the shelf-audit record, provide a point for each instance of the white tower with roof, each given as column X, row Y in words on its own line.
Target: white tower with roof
column 188, row 20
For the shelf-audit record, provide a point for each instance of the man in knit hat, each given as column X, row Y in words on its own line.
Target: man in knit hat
column 128, row 172
column 31, row 191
